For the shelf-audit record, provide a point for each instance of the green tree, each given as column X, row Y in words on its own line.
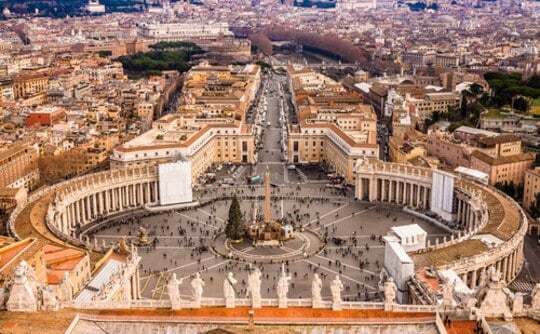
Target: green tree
column 234, row 229
column 536, row 162
column 511, row 189
column 521, row 104
column 535, row 207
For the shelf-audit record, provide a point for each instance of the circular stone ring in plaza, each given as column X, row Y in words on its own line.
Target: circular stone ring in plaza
column 304, row 244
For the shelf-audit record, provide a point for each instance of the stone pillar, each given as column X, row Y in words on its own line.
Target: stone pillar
column 85, row 209
column 70, row 215
column 463, row 211
column 107, row 201
column 95, row 207
column 473, row 279
column 418, row 198
column 141, row 200
column 514, row 265
column 408, row 195
column 146, row 193
column 123, row 198
column 425, row 204
column 64, row 221
column 76, row 210
column 103, row 201
column 372, row 189
column 505, row 269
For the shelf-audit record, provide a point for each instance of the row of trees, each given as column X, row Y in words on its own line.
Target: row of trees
column 511, row 189
column 176, row 45
column 535, row 207
column 330, row 43
column 467, row 113
column 509, row 90
column 261, row 42
column 153, row 62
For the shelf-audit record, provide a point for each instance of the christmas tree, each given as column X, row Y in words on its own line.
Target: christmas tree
column 234, row 229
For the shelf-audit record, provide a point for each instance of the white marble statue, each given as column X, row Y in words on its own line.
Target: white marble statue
column 517, row 303
column 254, row 288
column 382, row 279
column 535, row 302
column 494, row 301
column 197, row 286
column 283, row 288
column 22, row 297
column 448, row 294
column 336, row 287
column 174, row 292
column 229, row 291
column 316, row 287
column 50, row 300
column 390, row 292
column 483, row 279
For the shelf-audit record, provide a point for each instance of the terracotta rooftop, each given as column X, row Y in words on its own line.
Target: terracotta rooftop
column 11, row 251
column 502, row 160
column 500, row 139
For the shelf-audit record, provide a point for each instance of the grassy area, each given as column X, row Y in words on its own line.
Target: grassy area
column 493, row 113
column 535, row 107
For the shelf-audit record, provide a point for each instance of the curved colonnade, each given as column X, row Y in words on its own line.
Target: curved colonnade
column 480, row 212
column 100, row 195
column 488, row 227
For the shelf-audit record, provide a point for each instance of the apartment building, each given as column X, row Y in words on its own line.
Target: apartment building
column 220, row 91
column 207, row 129
column 185, row 31
column 200, row 141
column 423, row 107
column 27, row 84
column 334, row 127
column 19, row 166
column 531, row 187
column 503, row 159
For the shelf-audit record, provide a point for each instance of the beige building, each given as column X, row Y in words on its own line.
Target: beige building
column 450, row 150
column 207, row 129
column 203, row 142
column 28, row 84
column 220, row 91
column 404, row 150
column 531, row 187
column 423, row 107
column 19, row 166
column 334, row 127
column 502, row 158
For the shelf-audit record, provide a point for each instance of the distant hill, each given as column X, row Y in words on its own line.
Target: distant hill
column 61, row 8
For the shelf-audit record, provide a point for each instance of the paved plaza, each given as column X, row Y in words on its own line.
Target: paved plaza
column 340, row 235
column 184, row 240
